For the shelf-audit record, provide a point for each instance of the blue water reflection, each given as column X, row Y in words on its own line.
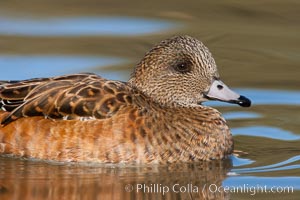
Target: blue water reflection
column 266, row 131
column 78, row 26
column 288, row 164
column 241, row 115
column 236, row 161
column 253, row 181
column 15, row 67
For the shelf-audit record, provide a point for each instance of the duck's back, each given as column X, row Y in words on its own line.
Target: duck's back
column 77, row 96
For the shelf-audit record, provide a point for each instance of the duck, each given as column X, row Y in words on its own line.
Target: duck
column 157, row 116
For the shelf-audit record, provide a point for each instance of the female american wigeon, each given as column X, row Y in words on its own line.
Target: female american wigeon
column 155, row 117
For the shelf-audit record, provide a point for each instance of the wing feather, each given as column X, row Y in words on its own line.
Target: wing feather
column 66, row 97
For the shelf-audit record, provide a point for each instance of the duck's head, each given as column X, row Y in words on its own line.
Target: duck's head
column 181, row 70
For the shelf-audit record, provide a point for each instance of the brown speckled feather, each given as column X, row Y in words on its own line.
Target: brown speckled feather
column 66, row 97
column 155, row 117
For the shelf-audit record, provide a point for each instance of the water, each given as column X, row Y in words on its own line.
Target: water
column 256, row 46
column 81, row 26
column 20, row 67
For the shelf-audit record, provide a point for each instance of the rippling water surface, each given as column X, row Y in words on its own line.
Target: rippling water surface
column 256, row 46
column 81, row 26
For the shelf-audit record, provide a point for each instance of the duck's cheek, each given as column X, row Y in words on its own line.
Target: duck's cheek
column 200, row 98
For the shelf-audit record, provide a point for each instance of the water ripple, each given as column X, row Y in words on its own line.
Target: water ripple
column 240, row 161
column 24, row 67
column 266, row 131
column 241, row 115
column 78, row 26
column 267, row 182
column 284, row 165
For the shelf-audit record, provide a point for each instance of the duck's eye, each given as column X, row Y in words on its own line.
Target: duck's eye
column 183, row 67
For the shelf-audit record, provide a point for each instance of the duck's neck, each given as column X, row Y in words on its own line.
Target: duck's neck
column 159, row 96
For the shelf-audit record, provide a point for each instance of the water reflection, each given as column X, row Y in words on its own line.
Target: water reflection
column 253, row 181
column 236, row 161
column 37, row 180
column 32, row 66
column 283, row 165
column 241, row 115
column 78, row 26
column 266, row 131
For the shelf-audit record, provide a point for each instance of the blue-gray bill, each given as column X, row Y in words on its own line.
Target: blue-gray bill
column 221, row 92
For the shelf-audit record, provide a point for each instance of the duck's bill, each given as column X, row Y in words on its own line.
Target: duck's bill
column 219, row 91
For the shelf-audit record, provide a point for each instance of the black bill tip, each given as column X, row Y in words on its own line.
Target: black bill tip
column 243, row 101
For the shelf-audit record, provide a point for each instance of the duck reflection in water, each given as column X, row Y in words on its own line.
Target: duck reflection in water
column 38, row 180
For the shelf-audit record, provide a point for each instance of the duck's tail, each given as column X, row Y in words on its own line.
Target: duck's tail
column 13, row 93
